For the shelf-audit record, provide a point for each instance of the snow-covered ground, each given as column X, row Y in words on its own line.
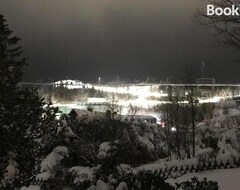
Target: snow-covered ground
column 224, row 127
column 228, row 179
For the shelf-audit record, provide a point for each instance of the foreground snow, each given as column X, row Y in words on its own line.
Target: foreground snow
column 228, row 179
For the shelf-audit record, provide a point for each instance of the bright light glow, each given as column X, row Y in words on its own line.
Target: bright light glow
column 214, row 99
column 145, row 96
column 173, row 129
column 135, row 90
column 88, row 86
column 96, row 100
column 70, row 84
column 58, row 116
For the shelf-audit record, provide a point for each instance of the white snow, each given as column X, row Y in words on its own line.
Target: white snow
column 122, row 186
column 53, row 158
column 31, row 187
column 125, row 169
column 11, row 172
column 204, row 151
column 228, row 179
column 227, row 153
column 104, row 148
column 81, row 174
column 43, row 176
column 102, row 185
column 163, row 165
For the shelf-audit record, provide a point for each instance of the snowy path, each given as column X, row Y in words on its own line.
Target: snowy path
column 228, row 179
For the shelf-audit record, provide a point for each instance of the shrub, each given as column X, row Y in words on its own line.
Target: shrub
column 196, row 184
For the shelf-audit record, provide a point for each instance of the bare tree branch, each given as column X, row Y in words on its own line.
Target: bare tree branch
column 227, row 28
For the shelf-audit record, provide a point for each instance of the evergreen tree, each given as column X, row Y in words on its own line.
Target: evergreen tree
column 10, row 61
column 20, row 110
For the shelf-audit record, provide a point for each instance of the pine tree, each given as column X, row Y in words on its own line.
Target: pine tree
column 10, row 61
column 20, row 110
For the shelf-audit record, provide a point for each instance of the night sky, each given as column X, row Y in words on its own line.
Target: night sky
column 134, row 39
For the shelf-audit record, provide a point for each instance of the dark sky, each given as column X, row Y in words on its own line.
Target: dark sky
column 85, row 39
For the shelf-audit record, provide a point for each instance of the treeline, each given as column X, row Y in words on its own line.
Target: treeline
column 180, row 115
column 65, row 95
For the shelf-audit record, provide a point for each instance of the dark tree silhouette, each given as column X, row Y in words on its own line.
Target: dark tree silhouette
column 227, row 28
column 20, row 109
column 10, row 61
